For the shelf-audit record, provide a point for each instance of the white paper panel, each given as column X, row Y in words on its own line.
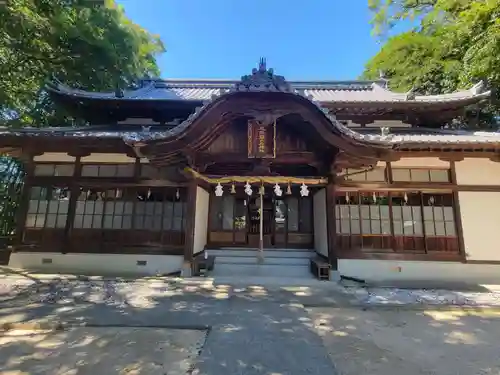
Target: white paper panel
column 450, row 228
column 428, row 213
column 375, row 227
column 408, row 227
column 429, row 228
column 355, row 227
column 365, row 227
column 50, row 221
column 407, row 213
column 354, row 211
column 448, row 214
column 33, row 206
column 398, row 228
column 384, row 212
column 374, row 212
column 78, row 223
column 345, row 227
column 365, row 211
column 40, row 221
column 440, row 231
column 397, row 212
column 53, row 205
column 30, row 220
column 438, row 214
column 386, row 227
column 61, row 221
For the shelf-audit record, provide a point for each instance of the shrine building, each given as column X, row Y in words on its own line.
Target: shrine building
column 368, row 180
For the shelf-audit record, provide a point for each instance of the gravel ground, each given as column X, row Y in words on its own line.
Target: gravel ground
column 399, row 296
column 395, row 342
column 141, row 293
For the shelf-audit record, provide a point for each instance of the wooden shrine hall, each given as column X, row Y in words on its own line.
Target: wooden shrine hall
column 369, row 181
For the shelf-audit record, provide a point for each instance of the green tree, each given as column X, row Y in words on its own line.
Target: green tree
column 90, row 47
column 453, row 44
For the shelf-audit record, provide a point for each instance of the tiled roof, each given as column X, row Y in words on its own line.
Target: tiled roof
column 324, row 92
column 390, row 140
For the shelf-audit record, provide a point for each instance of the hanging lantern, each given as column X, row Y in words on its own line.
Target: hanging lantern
column 233, row 189
column 431, row 200
column 278, row 191
column 219, row 190
column 177, row 194
column 347, row 198
column 248, row 189
column 406, row 198
column 304, row 191
column 374, row 196
column 288, row 190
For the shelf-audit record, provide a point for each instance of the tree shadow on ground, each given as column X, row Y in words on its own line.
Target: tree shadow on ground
column 404, row 341
column 251, row 331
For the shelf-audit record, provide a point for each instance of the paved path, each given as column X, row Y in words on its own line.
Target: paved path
column 250, row 331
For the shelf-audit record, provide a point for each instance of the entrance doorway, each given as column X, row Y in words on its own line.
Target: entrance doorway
column 287, row 221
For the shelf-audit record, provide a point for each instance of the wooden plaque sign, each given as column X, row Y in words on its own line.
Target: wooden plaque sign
column 261, row 139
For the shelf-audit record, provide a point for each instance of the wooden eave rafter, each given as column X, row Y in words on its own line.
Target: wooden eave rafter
column 46, row 143
column 395, row 106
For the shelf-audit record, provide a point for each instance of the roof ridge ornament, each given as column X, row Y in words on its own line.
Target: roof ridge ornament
column 382, row 77
column 478, row 88
column 411, row 94
column 262, row 80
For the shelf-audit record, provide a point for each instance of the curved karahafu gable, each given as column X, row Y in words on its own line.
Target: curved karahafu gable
column 263, row 96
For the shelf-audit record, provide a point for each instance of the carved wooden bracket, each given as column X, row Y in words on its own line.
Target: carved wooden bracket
column 452, row 157
column 81, row 152
column 495, row 158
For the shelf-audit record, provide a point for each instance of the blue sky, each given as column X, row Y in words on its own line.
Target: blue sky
column 319, row 39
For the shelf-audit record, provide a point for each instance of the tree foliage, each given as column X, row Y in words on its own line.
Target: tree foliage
column 453, row 44
column 91, row 47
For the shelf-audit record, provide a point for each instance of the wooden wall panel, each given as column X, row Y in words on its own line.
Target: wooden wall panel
column 235, row 140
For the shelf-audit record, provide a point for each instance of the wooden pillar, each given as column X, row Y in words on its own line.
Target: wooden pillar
column 260, row 255
column 74, row 192
column 190, row 227
column 457, row 212
column 22, row 212
column 330, row 222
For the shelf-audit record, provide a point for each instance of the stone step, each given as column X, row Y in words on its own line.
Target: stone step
column 268, row 259
column 264, row 270
column 274, row 253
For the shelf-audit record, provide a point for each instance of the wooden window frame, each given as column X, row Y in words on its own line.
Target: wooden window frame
column 162, row 216
column 429, row 175
column 428, row 245
column 48, row 190
column 100, row 166
column 54, row 166
column 365, row 172
column 404, row 184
